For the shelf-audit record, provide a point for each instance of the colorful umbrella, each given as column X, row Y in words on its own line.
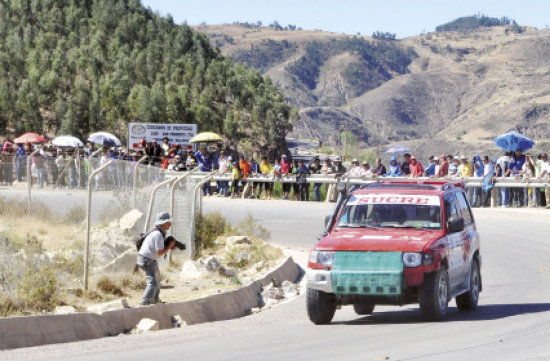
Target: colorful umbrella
column 67, row 141
column 105, row 139
column 206, row 137
column 513, row 141
column 398, row 149
column 30, row 138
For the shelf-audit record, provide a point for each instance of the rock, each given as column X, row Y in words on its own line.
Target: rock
column 191, row 271
column 212, row 264
column 242, row 258
column 227, row 272
column 109, row 306
column 64, row 310
column 131, row 222
column 272, row 292
column 290, row 289
column 237, row 242
column 258, row 267
column 146, row 325
column 177, row 321
column 125, row 263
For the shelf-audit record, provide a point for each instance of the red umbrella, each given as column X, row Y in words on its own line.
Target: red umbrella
column 30, row 138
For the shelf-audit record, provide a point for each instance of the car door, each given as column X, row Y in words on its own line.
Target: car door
column 454, row 242
column 469, row 234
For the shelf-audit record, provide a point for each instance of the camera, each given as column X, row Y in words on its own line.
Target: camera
column 178, row 244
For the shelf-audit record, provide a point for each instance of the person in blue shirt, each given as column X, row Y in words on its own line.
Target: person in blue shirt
column 515, row 169
column 430, row 170
column 393, row 170
column 205, row 163
column 20, row 162
column 254, row 171
column 476, row 194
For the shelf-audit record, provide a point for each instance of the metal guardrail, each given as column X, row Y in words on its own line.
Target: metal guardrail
column 316, row 178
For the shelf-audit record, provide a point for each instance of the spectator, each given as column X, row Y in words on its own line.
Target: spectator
column 236, row 178
column 379, row 169
column 39, row 160
column 366, row 170
column 315, row 168
column 465, row 170
column 254, row 170
column 61, row 163
column 443, row 167
column 515, row 170
column 394, row 169
column 205, row 162
column 295, row 188
column 7, row 163
column 528, row 169
column 328, row 170
column 437, row 165
column 266, row 169
column 223, row 168
column 301, row 180
column 487, row 181
column 415, row 168
column 504, row 192
column 430, row 170
column 245, row 170
column 190, row 160
column 405, row 167
column 453, row 167
column 541, row 159
column 20, row 162
column 285, row 169
column 355, row 170
column 476, row 198
column 545, row 172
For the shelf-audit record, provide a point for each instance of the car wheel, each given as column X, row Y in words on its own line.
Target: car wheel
column 468, row 301
column 320, row 306
column 434, row 295
column 363, row 308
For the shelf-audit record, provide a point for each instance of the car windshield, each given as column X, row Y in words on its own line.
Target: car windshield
column 422, row 212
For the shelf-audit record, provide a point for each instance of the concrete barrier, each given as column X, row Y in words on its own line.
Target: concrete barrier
column 41, row 330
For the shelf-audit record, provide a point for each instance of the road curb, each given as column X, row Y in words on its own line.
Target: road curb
column 29, row 331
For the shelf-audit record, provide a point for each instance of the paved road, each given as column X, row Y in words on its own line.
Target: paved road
column 512, row 322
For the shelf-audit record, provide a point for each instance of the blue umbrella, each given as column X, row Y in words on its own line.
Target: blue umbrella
column 513, row 141
column 398, row 149
column 105, row 139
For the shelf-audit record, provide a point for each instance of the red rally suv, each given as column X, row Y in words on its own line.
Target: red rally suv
column 396, row 243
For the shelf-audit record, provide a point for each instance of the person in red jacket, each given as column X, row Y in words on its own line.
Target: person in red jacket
column 415, row 168
column 443, row 167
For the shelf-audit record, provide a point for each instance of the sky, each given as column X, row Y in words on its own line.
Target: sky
column 401, row 17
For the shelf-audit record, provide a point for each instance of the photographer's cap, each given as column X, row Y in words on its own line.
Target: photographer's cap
column 163, row 218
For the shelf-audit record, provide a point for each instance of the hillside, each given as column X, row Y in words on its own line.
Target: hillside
column 74, row 67
column 453, row 90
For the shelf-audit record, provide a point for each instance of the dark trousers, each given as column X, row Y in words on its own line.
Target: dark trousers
column 486, row 199
column 516, row 198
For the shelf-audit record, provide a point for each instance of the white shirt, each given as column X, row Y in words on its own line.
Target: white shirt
column 356, row 171
column 223, row 165
column 545, row 167
column 487, row 169
column 153, row 242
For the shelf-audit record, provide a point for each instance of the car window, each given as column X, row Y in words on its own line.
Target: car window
column 464, row 208
column 451, row 206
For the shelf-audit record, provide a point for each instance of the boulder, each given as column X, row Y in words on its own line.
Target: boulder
column 64, row 310
column 146, row 325
column 242, row 258
column 177, row 321
column 237, row 242
column 125, row 263
column 227, row 272
column 131, row 222
column 109, row 306
column 212, row 264
column 290, row 289
column 191, row 271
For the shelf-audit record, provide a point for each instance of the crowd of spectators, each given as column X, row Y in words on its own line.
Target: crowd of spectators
column 70, row 167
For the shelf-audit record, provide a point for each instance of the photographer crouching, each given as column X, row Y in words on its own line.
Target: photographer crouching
column 155, row 245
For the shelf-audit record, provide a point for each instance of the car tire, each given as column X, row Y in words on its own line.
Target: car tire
column 363, row 308
column 434, row 295
column 320, row 306
column 468, row 301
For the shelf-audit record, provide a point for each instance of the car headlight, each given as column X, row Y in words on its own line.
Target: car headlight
column 322, row 257
column 412, row 259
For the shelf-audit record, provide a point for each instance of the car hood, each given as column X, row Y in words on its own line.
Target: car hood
column 402, row 240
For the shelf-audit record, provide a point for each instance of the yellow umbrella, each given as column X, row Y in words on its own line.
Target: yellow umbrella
column 206, row 137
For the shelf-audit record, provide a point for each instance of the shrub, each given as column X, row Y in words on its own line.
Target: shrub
column 38, row 289
column 75, row 215
column 108, row 286
column 208, row 227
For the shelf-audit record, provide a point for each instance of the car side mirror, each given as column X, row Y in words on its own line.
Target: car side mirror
column 455, row 224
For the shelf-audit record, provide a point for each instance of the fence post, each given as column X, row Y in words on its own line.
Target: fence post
column 29, row 179
column 88, row 222
column 134, row 179
column 152, row 201
column 194, row 211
